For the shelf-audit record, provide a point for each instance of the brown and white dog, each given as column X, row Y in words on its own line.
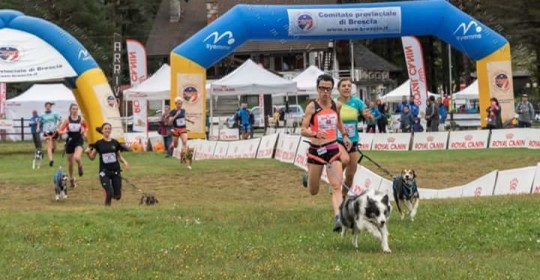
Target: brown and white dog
column 406, row 192
column 148, row 199
column 186, row 156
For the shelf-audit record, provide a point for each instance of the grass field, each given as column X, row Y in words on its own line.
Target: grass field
column 250, row 219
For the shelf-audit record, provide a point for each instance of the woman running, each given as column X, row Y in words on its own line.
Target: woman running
column 49, row 126
column 110, row 156
column 177, row 118
column 76, row 129
column 351, row 108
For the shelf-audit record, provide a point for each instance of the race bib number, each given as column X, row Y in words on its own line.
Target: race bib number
column 74, row 127
column 327, row 121
column 351, row 129
column 180, row 122
column 109, row 158
column 321, row 151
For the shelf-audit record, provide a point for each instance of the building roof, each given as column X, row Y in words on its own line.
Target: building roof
column 368, row 60
column 166, row 35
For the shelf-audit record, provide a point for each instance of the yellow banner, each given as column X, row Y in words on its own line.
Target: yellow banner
column 495, row 80
column 189, row 81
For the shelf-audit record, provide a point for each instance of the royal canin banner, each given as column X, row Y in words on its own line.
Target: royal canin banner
column 463, row 140
column 3, row 93
column 220, row 151
column 515, row 181
column 391, row 142
column 536, row 182
column 137, row 74
column 533, row 140
column 416, row 70
column 430, row 141
column 266, row 148
column 508, row 138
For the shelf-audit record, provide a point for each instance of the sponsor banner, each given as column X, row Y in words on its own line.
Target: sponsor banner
column 533, row 138
column 501, row 86
column 3, row 94
column 6, row 124
column 136, row 54
column 428, row 193
column 462, row 140
column 196, row 144
column 536, row 182
column 509, row 138
column 395, row 122
column 391, row 142
column 515, row 181
column 364, row 144
column 220, row 151
column 25, row 57
column 482, row 186
column 191, row 87
column 133, row 139
column 288, row 147
column 140, row 115
column 225, row 134
column 449, row 192
column 206, row 151
column 364, row 179
column 301, row 154
column 430, row 141
column 117, row 64
column 249, row 148
column 414, row 58
column 344, row 21
column 109, row 109
column 386, row 187
column 235, row 150
column 266, row 148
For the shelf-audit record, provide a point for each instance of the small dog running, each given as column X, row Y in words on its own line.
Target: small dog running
column 406, row 192
column 36, row 162
column 60, row 180
column 186, row 156
column 368, row 211
column 148, row 199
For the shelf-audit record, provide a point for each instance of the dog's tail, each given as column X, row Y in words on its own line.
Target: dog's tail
column 396, row 186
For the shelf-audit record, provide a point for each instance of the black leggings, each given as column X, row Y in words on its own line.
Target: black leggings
column 111, row 181
column 37, row 140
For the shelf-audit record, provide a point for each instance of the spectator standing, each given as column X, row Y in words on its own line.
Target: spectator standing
column 383, row 121
column 372, row 123
column 443, row 110
column 276, row 116
column 243, row 121
column 525, row 112
column 432, row 114
column 35, row 128
column 417, row 126
column 165, row 130
column 404, row 102
column 406, row 120
column 494, row 119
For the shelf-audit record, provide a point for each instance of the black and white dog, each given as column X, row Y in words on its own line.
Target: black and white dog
column 369, row 211
column 36, row 162
column 406, row 192
column 60, row 180
column 148, row 199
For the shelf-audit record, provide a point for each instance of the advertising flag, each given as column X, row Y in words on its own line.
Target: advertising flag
column 137, row 74
column 416, row 70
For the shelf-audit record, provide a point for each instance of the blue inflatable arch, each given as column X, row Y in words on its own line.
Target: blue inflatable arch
column 90, row 86
column 348, row 21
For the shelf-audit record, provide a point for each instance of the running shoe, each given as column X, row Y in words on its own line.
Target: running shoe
column 72, row 183
column 304, row 180
column 51, row 163
column 337, row 225
column 81, row 172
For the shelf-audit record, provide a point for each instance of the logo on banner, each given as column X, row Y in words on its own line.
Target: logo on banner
column 391, row 139
column 9, row 54
column 84, row 55
column 468, row 137
column 305, row 22
column 217, row 43
column 191, row 94
column 509, row 136
column 501, row 81
column 478, row 191
column 514, row 184
column 430, row 138
column 468, row 31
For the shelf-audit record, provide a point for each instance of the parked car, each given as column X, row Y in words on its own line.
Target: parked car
column 296, row 113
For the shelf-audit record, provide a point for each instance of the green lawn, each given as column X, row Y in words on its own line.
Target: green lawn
column 250, row 219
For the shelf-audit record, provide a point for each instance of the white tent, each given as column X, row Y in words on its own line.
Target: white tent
column 251, row 78
column 34, row 99
column 307, row 82
column 157, row 87
column 397, row 94
column 470, row 92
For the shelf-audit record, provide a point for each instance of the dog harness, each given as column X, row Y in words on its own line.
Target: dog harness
column 406, row 189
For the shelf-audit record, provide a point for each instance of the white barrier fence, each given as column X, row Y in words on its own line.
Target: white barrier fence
column 293, row 149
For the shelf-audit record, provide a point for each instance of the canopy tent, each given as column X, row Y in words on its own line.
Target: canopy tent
column 470, row 92
column 34, row 99
column 306, row 81
column 251, row 78
column 157, row 87
column 397, row 94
